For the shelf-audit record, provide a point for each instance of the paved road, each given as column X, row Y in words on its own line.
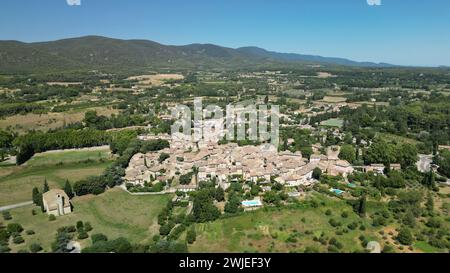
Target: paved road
column 15, row 206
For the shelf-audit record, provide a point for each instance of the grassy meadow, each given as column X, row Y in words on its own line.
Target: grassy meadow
column 17, row 182
column 114, row 213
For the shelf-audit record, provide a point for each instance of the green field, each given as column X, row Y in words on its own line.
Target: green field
column 399, row 139
column 70, row 156
column 114, row 213
column 16, row 187
column 425, row 247
column 268, row 231
column 333, row 123
column 16, row 183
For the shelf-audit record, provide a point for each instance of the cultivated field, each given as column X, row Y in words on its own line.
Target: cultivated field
column 155, row 80
column 270, row 231
column 333, row 123
column 96, row 154
column 333, row 99
column 45, row 122
column 295, row 229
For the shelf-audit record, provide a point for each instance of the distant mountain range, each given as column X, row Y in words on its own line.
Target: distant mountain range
column 95, row 52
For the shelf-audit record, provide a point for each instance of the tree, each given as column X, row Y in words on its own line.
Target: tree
column 362, row 206
column 36, row 196
column 317, row 173
column 14, row 228
column 163, row 157
column 306, row 151
column 186, row 179
column 443, row 160
column 63, row 238
column 191, row 235
column 409, row 219
column 395, row 180
column 407, row 154
column 203, row 209
column 348, row 153
column 429, row 180
column 87, row 227
column 6, row 140
column 233, row 204
column 120, row 245
column 80, row 225
column 68, row 189
column 220, row 194
column 46, row 187
column 405, row 236
column 430, row 203
column 380, row 152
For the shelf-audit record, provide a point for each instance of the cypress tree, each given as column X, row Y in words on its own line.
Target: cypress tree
column 430, row 203
column 362, row 206
column 36, row 196
column 46, row 187
column 68, row 189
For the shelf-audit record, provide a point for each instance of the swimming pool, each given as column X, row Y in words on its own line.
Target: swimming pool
column 251, row 203
column 337, row 191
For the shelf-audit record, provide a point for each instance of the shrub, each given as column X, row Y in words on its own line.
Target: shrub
column 191, row 235
column 344, row 214
column 98, row 238
column 433, row 223
column 80, row 225
column 52, row 217
column 18, row 240
column 4, row 249
column 71, row 229
column 87, row 227
column 352, row 226
column 82, row 235
column 388, row 249
column 7, row 216
column 334, row 223
column 14, row 228
column 30, row 232
column 405, row 236
column 35, row 248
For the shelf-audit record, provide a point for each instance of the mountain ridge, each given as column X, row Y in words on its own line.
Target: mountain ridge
column 96, row 52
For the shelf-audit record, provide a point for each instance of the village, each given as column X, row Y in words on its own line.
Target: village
column 186, row 163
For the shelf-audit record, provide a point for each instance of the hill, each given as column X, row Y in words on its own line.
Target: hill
column 95, row 52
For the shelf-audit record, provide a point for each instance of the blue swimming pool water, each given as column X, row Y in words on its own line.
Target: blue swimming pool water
column 337, row 191
column 251, row 203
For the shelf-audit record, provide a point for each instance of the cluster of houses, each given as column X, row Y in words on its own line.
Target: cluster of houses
column 222, row 162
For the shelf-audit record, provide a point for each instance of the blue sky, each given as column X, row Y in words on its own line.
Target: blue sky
column 406, row 32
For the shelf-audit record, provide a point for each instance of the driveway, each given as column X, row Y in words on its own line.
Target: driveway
column 15, row 206
column 424, row 163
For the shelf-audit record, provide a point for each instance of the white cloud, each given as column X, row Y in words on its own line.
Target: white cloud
column 73, row 2
column 374, row 2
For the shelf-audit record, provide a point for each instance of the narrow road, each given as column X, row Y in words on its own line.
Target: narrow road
column 15, row 206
